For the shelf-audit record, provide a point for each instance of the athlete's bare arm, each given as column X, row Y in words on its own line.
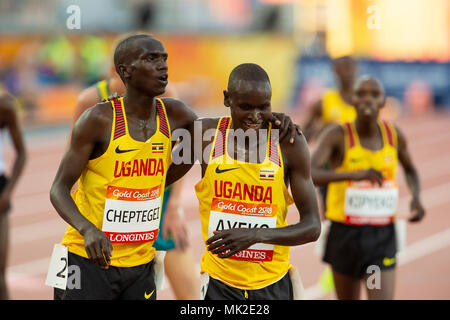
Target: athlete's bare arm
column 297, row 161
column 314, row 121
column 90, row 139
column 176, row 171
column 412, row 178
column 201, row 153
column 331, row 147
column 87, row 98
column 180, row 117
column 8, row 118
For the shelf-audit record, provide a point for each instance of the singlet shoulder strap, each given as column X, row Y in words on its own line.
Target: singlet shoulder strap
column 162, row 116
column 390, row 133
column 220, row 138
column 119, row 119
column 274, row 155
column 349, row 134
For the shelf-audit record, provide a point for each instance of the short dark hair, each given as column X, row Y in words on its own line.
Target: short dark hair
column 344, row 59
column 367, row 77
column 122, row 49
column 247, row 72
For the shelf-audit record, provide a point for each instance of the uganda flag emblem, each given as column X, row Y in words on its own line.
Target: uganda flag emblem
column 267, row 175
column 157, row 147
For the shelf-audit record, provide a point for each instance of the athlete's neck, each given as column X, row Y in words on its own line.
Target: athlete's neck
column 366, row 128
column 263, row 130
column 245, row 148
column 345, row 92
column 139, row 105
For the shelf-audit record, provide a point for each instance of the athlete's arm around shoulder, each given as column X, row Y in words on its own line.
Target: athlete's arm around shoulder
column 412, row 177
column 90, row 138
column 296, row 156
column 179, row 114
column 197, row 143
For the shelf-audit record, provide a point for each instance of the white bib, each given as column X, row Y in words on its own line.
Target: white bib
column 371, row 204
column 226, row 214
column 132, row 215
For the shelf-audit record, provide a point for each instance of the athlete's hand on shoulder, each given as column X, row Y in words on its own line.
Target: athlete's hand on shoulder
column 112, row 97
column 369, row 174
column 286, row 126
column 175, row 226
column 417, row 210
column 98, row 247
column 228, row 242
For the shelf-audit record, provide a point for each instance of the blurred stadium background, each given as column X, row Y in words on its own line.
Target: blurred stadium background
column 46, row 65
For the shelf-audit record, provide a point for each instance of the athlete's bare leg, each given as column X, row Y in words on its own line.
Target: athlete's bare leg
column 387, row 286
column 347, row 288
column 4, row 230
column 179, row 268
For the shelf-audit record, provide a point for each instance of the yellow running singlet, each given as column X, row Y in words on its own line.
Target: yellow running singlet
column 364, row 202
column 335, row 110
column 236, row 194
column 121, row 191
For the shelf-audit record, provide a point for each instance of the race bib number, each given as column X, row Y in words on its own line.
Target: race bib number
column 132, row 215
column 366, row 204
column 57, row 270
column 226, row 214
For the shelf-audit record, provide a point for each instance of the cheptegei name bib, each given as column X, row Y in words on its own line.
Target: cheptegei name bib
column 367, row 203
column 132, row 215
column 226, row 214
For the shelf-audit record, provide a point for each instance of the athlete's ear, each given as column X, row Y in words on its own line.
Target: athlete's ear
column 226, row 98
column 124, row 72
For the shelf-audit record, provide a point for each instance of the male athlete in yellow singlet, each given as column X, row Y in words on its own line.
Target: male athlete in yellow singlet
column 243, row 203
column 335, row 106
column 362, row 198
column 120, row 152
column 178, row 263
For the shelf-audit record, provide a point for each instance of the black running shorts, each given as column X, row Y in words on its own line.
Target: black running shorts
column 133, row 283
column 280, row 290
column 350, row 250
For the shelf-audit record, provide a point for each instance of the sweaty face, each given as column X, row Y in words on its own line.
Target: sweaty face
column 368, row 98
column 250, row 105
column 148, row 67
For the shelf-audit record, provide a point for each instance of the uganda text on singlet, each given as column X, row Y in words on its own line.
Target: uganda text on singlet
column 121, row 191
column 236, row 194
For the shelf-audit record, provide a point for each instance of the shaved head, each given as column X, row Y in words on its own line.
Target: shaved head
column 367, row 78
column 344, row 59
column 246, row 72
column 123, row 49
